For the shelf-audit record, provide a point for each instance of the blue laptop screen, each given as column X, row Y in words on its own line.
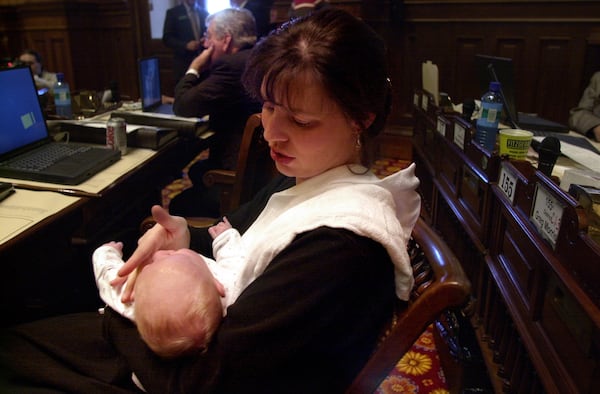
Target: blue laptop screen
column 149, row 82
column 21, row 118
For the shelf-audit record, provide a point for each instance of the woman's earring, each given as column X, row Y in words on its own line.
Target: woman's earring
column 358, row 143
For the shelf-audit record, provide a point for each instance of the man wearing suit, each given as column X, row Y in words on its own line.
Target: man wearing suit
column 182, row 32
column 585, row 118
column 212, row 86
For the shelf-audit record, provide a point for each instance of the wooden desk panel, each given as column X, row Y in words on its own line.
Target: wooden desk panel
column 536, row 307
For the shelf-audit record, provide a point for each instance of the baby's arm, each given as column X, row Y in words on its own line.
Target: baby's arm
column 107, row 260
column 218, row 228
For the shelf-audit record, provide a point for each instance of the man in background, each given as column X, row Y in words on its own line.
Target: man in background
column 183, row 30
column 43, row 78
column 585, row 118
column 212, row 86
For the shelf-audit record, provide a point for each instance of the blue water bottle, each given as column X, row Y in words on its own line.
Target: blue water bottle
column 62, row 97
column 487, row 123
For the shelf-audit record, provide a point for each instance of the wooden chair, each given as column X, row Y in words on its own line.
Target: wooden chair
column 440, row 284
column 254, row 170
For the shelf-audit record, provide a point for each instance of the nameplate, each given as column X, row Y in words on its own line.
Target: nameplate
column 441, row 126
column 425, row 102
column 546, row 214
column 459, row 136
column 507, row 182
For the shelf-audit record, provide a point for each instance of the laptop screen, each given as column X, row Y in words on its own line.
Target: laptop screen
column 149, row 82
column 21, row 117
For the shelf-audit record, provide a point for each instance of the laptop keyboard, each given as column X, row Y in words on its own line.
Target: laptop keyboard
column 46, row 157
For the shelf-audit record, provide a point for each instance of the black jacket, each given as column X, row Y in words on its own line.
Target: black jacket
column 219, row 93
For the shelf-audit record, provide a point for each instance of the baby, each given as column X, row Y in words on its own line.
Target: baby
column 180, row 296
column 177, row 304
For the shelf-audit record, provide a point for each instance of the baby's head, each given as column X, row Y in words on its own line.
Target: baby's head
column 177, row 303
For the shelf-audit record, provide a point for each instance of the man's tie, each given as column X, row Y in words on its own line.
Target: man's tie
column 193, row 15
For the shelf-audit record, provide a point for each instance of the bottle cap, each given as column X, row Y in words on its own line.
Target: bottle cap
column 60, row 76
column 495, row 86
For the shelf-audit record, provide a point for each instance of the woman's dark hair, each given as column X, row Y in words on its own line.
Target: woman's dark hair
column 341, row 51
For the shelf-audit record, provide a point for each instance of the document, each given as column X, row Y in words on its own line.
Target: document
column 25, row 208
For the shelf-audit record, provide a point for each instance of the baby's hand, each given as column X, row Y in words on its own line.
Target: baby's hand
column 219, row 228
column 116, row 245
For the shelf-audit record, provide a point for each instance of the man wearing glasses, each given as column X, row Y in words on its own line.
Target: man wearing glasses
column 212, row 86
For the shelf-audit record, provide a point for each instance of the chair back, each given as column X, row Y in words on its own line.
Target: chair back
column 255, row 168
column 440, row 284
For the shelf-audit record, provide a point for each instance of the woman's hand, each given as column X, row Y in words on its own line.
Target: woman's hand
column 169, row 232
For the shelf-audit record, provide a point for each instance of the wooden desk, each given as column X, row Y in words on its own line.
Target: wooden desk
column 534, row 274
column 47, row 267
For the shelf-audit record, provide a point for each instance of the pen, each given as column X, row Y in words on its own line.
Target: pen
column 65, row 191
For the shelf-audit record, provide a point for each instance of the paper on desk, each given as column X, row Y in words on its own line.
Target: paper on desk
column 582, row 156
column 96, row 184
column 102, row 125
column 192, row 120
column 25, row 208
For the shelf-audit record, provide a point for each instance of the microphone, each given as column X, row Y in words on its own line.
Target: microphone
column 548, row 152
column 467, row 109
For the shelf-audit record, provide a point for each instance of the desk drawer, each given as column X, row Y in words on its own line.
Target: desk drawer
column 449, row 165
column 519, row 260
column 474, row 194
column 572, row 334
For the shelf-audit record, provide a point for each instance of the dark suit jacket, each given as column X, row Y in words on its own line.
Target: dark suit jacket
column 219, row 93
column 177, row 32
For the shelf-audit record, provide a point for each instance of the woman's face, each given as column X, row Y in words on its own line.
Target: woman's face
column 307, row 132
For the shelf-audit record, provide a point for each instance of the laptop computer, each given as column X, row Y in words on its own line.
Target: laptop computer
column 150, row 92
column 27, row 151
column 492, row 68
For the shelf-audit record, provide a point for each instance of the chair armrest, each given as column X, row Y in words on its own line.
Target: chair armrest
column 197, row 222
column 440, row 284
column 218, row 177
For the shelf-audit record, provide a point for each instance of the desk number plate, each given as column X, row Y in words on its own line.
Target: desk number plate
column 424, row 102
column 546, row 214
column 441, row 127
column 507, row 182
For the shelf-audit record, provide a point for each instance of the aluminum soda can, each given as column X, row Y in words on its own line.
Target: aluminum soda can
column 116, row 134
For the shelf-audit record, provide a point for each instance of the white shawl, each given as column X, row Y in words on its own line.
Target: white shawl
column 384, row 210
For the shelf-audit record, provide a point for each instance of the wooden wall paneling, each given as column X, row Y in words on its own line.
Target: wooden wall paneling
column 548, row 100
column 44, row 27
column 117, row 48
column 462, row 82
column 545, row 42
column 8, row 33
column 384, row 16
column 592, row 54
